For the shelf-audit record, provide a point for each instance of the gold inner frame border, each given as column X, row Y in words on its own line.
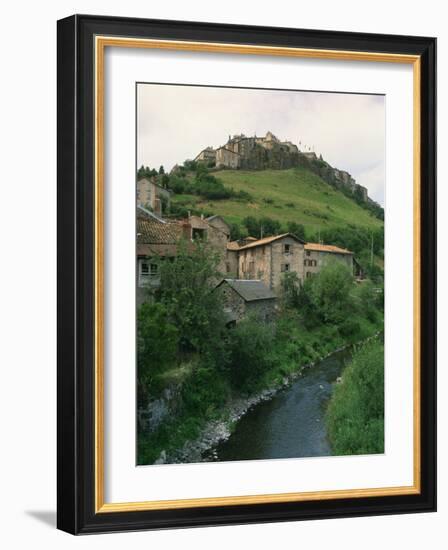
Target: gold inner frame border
column 100, row 44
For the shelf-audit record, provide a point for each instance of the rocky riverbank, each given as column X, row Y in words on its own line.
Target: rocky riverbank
column 214, row 432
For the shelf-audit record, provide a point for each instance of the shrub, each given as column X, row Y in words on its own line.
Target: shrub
column 355, row 416
column 157, row 343
column 250, row 345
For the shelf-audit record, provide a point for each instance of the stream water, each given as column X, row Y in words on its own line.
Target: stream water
column 292, row 423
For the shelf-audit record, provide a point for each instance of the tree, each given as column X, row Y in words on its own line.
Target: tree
column 157, row 343
column 251, row 344
column 296, row 229
column 330, row 292
column 235, row 232
column 187, row 286
column 290, row 286
column 253, row 226
column 269, row 227
column 161, row 170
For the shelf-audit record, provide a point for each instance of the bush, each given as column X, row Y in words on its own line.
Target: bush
column 157, row 343
column 204, row 392
column 330, row 292
column 250, row 345
column 350, row 329
column 355, row 416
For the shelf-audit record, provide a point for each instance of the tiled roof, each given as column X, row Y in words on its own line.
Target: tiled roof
column 250, row 290
column 268, row 240
column 152, row 231
column 317, row 247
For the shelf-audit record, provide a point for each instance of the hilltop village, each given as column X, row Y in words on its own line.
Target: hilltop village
column 252, row 269
column 269, row 152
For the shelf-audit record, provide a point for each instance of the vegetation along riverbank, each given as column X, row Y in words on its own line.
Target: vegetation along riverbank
column 194, row 371
column 355, row 416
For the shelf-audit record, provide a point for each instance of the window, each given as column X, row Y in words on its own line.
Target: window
column 154, row 270
column 144, row 268
column 308, row 274
column 305, row 262
column 308, row 253
column 285, row 268
column 198, row 234
column 287, row 249
column 314, row 263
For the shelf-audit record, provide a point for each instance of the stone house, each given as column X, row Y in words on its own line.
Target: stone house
column 152, row 196
column 270, row 258
column 207, row 155
column 213, row 230
column 160, row 239
column 318, row 255
column 244, row 298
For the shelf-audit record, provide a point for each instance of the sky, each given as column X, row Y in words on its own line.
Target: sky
column 175, row 123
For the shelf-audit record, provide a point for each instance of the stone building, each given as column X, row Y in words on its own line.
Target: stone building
column 244, row 298
column 270, row 258
column 269, row 152
column 207, row 155
column 160, row 239
column 152, row 196
column 318, row 255
column 213, row 230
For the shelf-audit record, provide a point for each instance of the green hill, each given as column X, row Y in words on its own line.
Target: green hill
column 293, row 195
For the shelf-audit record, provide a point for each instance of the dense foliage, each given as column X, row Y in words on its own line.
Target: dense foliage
column 355, row 415
column 183, row 339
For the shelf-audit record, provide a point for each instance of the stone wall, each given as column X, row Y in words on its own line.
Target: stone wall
column 149, row 418
column 233, row 302
column 315, row 260
column 227, row 158
column 269, row 262
column 255, row 263
column 263, row 310
column 281, row 258
column 231, row 268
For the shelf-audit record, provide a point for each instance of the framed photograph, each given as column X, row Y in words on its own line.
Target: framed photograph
column 246, row 274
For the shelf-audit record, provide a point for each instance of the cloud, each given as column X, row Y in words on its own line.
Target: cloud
column 176, row 122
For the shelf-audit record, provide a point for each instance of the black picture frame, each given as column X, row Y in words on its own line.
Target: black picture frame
column 76, row 255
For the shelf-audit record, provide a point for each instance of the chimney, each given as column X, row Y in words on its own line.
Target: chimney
column 186, row 230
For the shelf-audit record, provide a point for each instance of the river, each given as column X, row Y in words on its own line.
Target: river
column 292, row 423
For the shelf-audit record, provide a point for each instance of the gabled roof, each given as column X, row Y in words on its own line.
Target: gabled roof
column 145, row 213
column 250, row 290
column 140, row 180
column 152, row 231
column 268, row 240
column 317, row 247
column 233, row 245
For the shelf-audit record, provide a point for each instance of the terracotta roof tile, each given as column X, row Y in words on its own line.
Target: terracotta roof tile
column 317, row 247
column 268, row 240
column 151, row 231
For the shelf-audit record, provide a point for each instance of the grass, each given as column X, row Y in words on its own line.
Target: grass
column 296, row 195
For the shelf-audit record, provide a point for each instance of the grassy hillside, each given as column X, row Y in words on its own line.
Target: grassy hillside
column 285, row 195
